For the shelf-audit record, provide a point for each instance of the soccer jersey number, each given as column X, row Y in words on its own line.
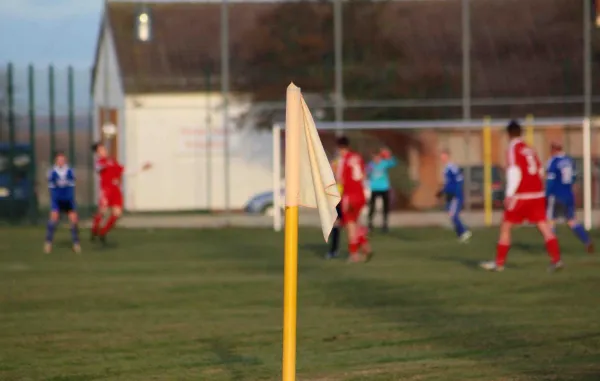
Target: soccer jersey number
column 357, row 172
column 532, row 167
column 566, row 174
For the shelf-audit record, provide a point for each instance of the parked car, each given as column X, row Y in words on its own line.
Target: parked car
column 262, row 203
column 475, row 187
column 24, row 197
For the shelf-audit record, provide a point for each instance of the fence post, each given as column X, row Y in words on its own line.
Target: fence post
column 11, row 139
column 71, row 95
column 487, row 170
column 208, row 158
column 91, row 154
column 51, row 111
column 33, row 164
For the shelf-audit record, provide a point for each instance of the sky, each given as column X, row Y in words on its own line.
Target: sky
column 41, row 32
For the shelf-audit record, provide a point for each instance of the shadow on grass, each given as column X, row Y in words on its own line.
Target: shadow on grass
column 232, row 361
column 472, row 264
column 404, row 235
column 529, row 248
column 318, row 250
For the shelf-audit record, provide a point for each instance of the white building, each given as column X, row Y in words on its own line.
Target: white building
column 153, row 80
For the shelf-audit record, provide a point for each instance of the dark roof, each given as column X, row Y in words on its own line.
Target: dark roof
column 519, row 47
column 185, row 46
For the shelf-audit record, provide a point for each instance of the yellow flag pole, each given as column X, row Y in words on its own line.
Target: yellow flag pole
column 487, row 170
column 293, row 129
column 529, row 135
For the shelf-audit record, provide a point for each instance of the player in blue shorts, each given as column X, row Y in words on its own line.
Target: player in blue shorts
column 453, row 190
column 61, row 185
column 560, row 200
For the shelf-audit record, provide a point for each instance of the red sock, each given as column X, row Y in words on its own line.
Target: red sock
column 112, row 220
column 501, row 253
column 96, row 223
column 553, row 249
column 353, row 247
column 362, row 236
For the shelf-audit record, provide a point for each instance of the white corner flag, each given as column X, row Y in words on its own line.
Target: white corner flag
column 317, row 187
column 309, row 181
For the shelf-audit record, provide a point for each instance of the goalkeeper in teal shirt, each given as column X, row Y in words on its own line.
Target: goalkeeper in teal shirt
column 379, row 183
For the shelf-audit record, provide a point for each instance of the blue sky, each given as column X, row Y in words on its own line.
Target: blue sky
column 41, row 32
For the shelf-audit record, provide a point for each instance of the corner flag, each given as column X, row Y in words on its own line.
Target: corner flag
column 309, row 182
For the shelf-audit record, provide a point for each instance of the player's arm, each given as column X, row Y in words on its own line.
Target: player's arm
column 52, row 187
column 390, row 163
column 513, row 176
column 444, row 189
column 550, row 178
column 136, row 170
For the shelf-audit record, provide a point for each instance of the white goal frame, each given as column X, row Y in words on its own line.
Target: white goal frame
column 586, row 124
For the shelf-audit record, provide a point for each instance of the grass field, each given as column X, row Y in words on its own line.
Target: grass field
column 206, row 305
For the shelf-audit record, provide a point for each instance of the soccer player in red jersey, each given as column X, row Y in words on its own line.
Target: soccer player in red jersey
column 524, row 200
column 351, row 175
column 110, row 173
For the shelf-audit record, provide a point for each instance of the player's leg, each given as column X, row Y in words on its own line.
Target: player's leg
column 364, row 244
column 362, row 237
column 536, row 214
column 351, row 231
column 386, row 209
column 99, row 216
column 349, row 219
column 503, row 245
column 335, row 235
column 115, row 202
column 74, row 219
column 552, row 246
column 372, row 204
column 511, row 216
column 502, row 248
column 51, row 226
column 461, row 230
column 577, row 228
column 551, row 212
column 114, row 216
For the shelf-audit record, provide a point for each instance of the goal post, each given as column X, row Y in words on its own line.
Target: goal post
column 477, row 145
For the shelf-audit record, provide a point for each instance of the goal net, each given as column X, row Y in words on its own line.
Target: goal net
column 477, row 147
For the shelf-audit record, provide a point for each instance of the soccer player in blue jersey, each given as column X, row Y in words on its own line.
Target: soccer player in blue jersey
column 453, row 190
column 560, row 200
column 61, row 184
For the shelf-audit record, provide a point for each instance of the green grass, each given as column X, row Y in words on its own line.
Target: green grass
column 206, row 305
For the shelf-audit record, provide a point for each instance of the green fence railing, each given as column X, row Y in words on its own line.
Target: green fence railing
column 42, row 112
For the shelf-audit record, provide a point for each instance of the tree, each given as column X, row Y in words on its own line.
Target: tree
column 294, row 42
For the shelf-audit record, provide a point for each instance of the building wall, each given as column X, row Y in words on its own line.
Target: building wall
column 183, row 136
column 467, row 150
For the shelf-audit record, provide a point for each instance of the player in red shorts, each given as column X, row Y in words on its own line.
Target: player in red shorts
column 110, row 173
column 524, row 200
column 351, row 175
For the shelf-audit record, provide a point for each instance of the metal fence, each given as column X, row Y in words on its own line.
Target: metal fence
column 42, row 111
column 432, row 60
